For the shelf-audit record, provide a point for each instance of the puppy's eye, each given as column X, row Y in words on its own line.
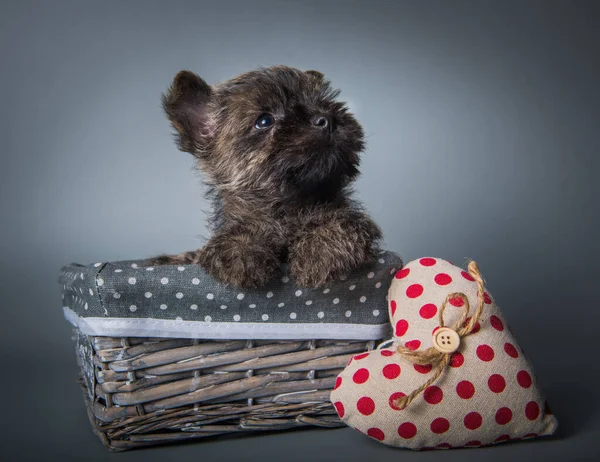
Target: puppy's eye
column 264, row 121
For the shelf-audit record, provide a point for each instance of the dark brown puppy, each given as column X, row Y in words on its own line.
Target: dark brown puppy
column 278, row 152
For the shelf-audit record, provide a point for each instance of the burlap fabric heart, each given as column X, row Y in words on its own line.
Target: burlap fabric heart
column 454, row 375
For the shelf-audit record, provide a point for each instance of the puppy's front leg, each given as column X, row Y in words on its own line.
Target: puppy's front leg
column 331, row 245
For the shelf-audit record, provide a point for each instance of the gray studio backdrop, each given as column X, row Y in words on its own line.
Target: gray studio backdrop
column 482, row 122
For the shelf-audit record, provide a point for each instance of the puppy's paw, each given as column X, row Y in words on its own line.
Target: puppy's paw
column 311, row 265
column 238, row 264
column 185, row 258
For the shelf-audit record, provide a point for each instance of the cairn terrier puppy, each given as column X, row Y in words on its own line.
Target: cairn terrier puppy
column 278, row 152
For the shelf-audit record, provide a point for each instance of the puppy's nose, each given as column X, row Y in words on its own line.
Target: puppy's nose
column 321, row 121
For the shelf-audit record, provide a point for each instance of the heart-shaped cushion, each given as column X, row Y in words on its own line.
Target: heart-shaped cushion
column 487, row 393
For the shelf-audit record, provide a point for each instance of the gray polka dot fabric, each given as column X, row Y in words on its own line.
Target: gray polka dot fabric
column 127, row 290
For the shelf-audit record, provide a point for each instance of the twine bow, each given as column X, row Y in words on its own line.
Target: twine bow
column 431, row 356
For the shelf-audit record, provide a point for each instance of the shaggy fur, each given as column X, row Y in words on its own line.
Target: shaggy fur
column 281, row 192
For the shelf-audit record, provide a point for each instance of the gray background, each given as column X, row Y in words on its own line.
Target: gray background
column 483, row 141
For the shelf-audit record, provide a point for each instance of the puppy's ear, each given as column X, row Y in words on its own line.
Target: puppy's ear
column 318, row 75
column 186, row 104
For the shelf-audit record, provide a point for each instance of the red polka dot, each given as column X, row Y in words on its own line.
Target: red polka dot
column 473, row 444
column 361, row 356
column 440, row 425
column 413, row 344
column 407, row 430
column 485, row 353
column 361, row 376
column 465, row 389
column 503, row 416
column 434, row 329
column 511, row 350
column 339, row 407
column 401, row 327
column 496, row 323
column 473, row 420
column 497, row 383
column 428, row 311
column 486, row 298
column 365, row 405
column 476, row 327
column 502, row 438
column 386, row 353
column 524, row 379
column 433, row 395
column 401, row 274
column 442, row 279
column 423, row 369
column 393, row 398
column 338, row 382
column 414, row 291
column 427, row 261
column 457, row 360
column 456, row 301
column 393, row 306
column 532, row 410
column 467, row 276
column 391, row 371
column 376, row 433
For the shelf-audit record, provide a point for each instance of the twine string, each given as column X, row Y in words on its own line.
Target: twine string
column 463, row 327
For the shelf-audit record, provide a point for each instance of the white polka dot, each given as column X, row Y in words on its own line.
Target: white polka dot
column 118, row 270
column 252, row 305
column 240, row 296
column 132, row 281
column 223, row 307
column 210, row 296
column 326, row 291
column 97, row 264
column 348, row 313
column 132, row 308
column 193, row 307
column 320, row 315
column 336, row 301
column 134, row 265
column 163, row 307
column 292, row 315
column 370, row 275
column 298, row 293
column 363, row 299
column 85, row 307
column 352, row 287
column 179, row 295
column 265, row 317
column 381, row 260
column 375, row 312
column 150, row 268
column 281, row 304
column 208, row 319
column 148, row 295
column 91, row 292
column 180, row 268
column 100, row 282
column 378, row 285
column 178, row 318
column 269, row 294
column 81, row 275
column 308, row 302
column 343, row 278
column 164, row 281
column 236, row 317
column 117, row 295
column 285, row 279
column 195, row 281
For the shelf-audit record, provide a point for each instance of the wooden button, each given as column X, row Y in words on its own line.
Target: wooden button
column 445, row 340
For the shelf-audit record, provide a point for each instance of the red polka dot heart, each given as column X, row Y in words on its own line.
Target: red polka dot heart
column 487, row 394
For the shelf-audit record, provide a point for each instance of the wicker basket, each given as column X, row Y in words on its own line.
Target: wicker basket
column 146, row 391
column 168, row 354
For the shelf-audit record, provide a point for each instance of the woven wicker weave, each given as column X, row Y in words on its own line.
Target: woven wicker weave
column 145, row 391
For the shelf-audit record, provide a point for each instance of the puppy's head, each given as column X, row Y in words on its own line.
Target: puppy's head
column 278, row 129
